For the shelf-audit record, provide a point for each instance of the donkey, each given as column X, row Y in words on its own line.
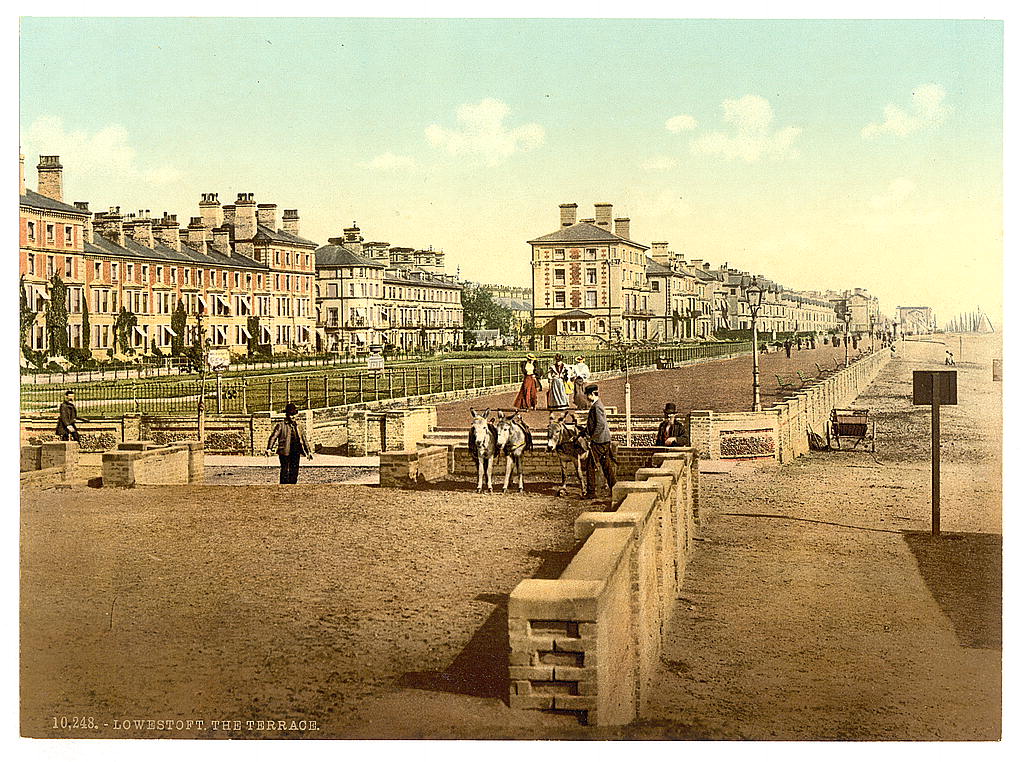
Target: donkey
column 564, row 440
column 483, row 446
column 513, row 440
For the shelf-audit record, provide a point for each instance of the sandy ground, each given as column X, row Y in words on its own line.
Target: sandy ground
column 816, row 605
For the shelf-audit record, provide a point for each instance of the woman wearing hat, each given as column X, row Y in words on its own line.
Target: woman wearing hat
column 558, row 377
column 289, row 439
column 580, row 375
column 530, row 388
column 671, row 432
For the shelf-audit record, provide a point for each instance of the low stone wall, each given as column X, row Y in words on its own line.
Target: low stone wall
column 44, row 477
column 589, row 641
column 411, row 468
column 780, row 431
column 141, row 463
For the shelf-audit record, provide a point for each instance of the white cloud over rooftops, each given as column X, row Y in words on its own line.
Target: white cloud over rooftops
column 481, row 132
column 752, row 136
column 927, row 108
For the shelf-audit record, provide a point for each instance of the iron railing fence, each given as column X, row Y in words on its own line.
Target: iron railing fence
column 325, row 388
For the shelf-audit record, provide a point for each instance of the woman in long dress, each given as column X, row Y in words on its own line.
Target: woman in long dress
column 580, row 374
column 558, row 375
column 526, row 399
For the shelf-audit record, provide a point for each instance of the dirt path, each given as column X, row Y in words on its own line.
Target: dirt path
column 818, row 606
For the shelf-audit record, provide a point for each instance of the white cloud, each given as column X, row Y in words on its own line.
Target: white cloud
column 390, row 161
column 899, row 190
column 680, row 123
column 752, row 136
column 927, row 108
column 481, row 132
column 105, row 153
column 659, row 163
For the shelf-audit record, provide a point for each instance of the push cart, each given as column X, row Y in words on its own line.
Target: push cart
column 851, row 423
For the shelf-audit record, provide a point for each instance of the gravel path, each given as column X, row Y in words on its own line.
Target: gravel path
column 818, row 605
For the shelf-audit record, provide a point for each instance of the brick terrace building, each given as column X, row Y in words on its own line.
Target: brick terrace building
column 252, row 281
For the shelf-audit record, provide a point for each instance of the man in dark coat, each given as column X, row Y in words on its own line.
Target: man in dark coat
column 671, row 432
column 289, row 439
column 600, row 439
column 67, row 418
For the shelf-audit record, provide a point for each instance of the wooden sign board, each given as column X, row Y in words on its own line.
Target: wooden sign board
column 938, row 383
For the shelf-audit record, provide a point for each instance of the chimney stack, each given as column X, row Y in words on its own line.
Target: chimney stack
column 266, row 215
column 290, row 221
column 229, row 214
column 622, row 227
column 197, row 234
column 166, row 231
column 211, row 212
column 222, row 239
column 51, row 177
column 140, row 229
column 603, row 215
column 245, row 225
column 87, row 227
column 659, row 251
column 21, row 174
column 568, row 214
column 353, row 241
column 111, row 225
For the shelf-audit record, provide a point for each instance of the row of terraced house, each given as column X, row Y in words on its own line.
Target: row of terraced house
column 593, row 282
column 249, row 276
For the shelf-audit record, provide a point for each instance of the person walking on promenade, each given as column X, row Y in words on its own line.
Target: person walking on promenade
column 789, row 347
column 949, row 358
column 671, row 432
column 529, row 389
column 600, row 439
column 67, row 419
column 558, row 377
column 580, row 374
column 289, row 439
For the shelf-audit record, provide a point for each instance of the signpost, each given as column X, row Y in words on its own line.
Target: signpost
column 935, row 387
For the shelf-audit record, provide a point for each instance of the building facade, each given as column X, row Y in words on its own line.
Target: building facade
column 232, row 269
column 590, row 281
column 377, row 294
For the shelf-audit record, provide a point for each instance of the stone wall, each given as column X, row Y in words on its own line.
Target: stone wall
column 780, row 431
column 412, row 468
column 147, row 463
column 589, row 641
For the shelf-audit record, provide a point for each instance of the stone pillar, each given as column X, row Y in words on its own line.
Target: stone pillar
column 196, row 462
column 59, row 454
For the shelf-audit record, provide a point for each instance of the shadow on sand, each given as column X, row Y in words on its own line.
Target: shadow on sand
column 963, row 572
column 481, row 668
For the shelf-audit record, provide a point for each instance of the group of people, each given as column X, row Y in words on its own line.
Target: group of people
column 565, row 383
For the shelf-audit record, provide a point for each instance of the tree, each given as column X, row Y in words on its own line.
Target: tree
column 57, row 317
column 124, row 324
column 27, row 315
column 480, row 311
column 179, row 320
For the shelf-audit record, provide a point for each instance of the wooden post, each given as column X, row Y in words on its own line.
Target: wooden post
column 935, row 462
column 270, row 394
column 344, row 391
column 327, row 390
column 306, row 407
column 287, row 391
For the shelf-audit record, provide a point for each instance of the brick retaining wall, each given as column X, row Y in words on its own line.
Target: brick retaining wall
column 589, row 641
column 147, row 463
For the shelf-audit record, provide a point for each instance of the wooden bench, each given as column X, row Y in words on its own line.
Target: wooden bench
column 784, row 384
column 804, row 379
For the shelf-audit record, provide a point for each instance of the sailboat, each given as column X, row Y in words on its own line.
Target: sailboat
column 970, row 322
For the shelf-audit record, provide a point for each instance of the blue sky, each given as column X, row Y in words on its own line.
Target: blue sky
column 824, row 154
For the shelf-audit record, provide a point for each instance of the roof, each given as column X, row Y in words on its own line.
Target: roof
column 132, row 249
column 574, row 314
column 584, row 232
column 280, row 236
column 38, row 201
column 333, row 255
column 518, row 305
column 393, row 275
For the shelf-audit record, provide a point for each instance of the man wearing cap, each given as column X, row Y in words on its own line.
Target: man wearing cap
column 67, row 418
column 580, row 374
column 671, row 432
column 289, row 438
column 600, row 439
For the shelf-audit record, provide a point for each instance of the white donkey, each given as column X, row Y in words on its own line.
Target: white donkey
column 513, row 440
column 483, row 446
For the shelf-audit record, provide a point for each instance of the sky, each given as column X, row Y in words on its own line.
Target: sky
column 822, row 154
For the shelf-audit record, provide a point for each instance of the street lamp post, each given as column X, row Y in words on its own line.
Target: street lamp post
column 754, row 302
column 846, row 339
column 872, row 329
